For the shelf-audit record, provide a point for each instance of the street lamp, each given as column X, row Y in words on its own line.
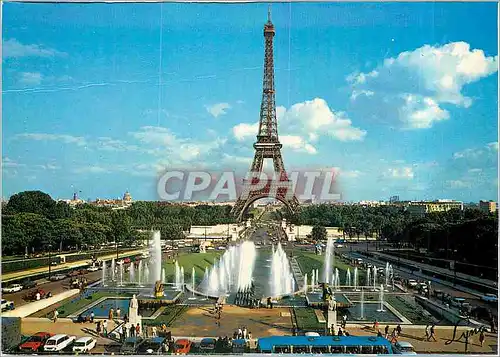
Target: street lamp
column 50, row 260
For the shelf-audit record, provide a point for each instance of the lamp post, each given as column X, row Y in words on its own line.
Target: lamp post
column 50, row 258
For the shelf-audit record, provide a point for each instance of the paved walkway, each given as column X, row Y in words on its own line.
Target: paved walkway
column 41, row 270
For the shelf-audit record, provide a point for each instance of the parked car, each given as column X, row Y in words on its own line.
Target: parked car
column 404, row 348
column 208, row 344
column 57, row 277
column 7, row 305
column 84, row 344
column 490, row 298
column 155, row 346
column 93, row 268
column 12, row 289
column 58, row 343
column 412, row 283
column 182, row 346
column 28, row 284
column 131, row 345
column 35, row 342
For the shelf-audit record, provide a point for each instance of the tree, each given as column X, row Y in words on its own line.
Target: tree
column 318, row 233
column 31, row 202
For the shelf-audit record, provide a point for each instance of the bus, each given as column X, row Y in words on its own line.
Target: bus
column 325, row 344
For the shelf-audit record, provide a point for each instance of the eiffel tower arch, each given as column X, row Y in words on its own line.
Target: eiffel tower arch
column 267, row 145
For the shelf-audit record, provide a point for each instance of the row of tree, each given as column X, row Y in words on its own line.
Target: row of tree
column 469, row 235
column 32, row 221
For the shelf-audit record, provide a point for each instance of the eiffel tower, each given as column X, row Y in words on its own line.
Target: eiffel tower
column 267, row 145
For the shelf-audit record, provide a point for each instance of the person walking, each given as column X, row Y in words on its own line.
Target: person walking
column 56, row 314
column 92, row 316
column 432, row 334
column 132, row 330
column 375, row 325
column 137, row 330
column 427, row 335
column 105, row 328
column 386, row 332
column 398, row 330
column 111, row 314
column 98, row 328
column 118, row 313
column 481, row 337
column 154, row 332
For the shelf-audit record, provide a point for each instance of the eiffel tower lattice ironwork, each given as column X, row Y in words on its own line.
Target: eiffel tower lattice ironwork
column 267, row 145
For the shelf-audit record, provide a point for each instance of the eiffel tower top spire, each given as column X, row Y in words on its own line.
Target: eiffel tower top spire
column 268, row 127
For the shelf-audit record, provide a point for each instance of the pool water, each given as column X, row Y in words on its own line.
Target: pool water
column 371, row 314
column 101, row 310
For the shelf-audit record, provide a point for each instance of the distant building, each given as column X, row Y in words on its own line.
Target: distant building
column 488, row 206
column 74, row 201
column 424, row 207
column 394, row 199
column 119, row 203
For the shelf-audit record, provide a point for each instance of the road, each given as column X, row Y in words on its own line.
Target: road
column 43, row 270
column 55, row 287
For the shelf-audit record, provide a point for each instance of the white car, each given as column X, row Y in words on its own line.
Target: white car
column 7, row 305
column 13, row 288
column 84, row 344
column 93, row 268
column 412, row 283
column 58, row 343
column 404, row 348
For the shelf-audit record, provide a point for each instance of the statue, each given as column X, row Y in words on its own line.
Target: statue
column 158, row 289
column 134, row 304
column 332, row 304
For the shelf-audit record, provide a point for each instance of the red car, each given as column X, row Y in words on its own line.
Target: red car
column 35, row 342
column 182, row 346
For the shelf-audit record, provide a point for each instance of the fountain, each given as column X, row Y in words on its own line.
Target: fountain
column 131, row 274
column 381, row 299
column 362, row 306
column 182, row 278
column 337, row 280
column 356, row 279
column 280, row 273
column 328, row 263
column 193, row 282
column 348, row 277
column 177, row 276
column 104, row 273
column 163, row 276
column 155, row 260
column 233, row 272
column 305, row 283
column 387, row 274
column 368, row 280
column 139, row 273
column 374, row 278
column 146, row 274
column 205, row 278
column 113, row 269
column 121, row 275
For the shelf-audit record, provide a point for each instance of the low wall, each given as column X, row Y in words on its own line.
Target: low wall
column 449, row 314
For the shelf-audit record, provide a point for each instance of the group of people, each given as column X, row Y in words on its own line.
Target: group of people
column 242, row 333
column 430, row 333
column 393, row 337
column 132, row 331
column 80, row 283
column 340, row 332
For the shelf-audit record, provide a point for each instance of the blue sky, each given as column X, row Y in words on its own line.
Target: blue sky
column 400, row 98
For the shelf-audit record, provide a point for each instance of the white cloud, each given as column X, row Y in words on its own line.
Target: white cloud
column 67, row 139
column 413, row 85
column 350, row 174
column 13, row 48
column 473, row 171
column 30, row 78
column 243, row 131
column 109, row 144
column 399, row 173
column 9, row 163
column 315, row 117
column 49, row 167
column 356, row 93
column 493, row 146
column 297, row 144
column 238, row 160
column 91, row 170
column 475, row 153
column 421, row 112
column 455, row 184
column 218, row 109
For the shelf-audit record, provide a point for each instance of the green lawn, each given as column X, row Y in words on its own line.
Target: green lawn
column 168, row 316
column 307, row 320
column 189, row 260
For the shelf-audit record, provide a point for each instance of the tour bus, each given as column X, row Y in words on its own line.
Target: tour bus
column 325, row 344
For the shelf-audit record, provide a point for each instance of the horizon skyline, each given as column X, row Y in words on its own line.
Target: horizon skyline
column 402, row 98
